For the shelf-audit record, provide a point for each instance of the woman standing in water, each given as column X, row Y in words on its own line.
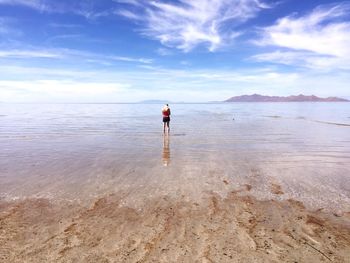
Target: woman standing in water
column 166, row 117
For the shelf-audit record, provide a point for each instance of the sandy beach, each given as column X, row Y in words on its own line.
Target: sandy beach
column 237, row 228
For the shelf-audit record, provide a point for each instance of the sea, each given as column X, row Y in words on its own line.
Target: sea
column 78, row 152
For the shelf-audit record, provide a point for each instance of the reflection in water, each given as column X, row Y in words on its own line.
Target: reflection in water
column 166, row 150
column 79, row 151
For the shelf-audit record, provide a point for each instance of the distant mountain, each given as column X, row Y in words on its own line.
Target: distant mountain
column 298, row 98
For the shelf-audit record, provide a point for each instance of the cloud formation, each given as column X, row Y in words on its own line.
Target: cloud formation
column 56, row 90
column 28, row 54
column 39, row 5
column 319, row 39
column 63, row 53
column 187, row 24
column 83, row 8
column 316, row 39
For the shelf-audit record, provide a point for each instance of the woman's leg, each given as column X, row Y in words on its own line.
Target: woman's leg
column 168, row 124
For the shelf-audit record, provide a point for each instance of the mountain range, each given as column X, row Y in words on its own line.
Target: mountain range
column 298, row 98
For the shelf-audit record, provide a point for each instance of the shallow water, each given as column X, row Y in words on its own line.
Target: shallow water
column 81, row 151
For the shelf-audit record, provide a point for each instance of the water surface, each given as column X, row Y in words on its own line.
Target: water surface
column 81, row 151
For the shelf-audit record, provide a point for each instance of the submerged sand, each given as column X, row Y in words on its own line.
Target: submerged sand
column 235, row 228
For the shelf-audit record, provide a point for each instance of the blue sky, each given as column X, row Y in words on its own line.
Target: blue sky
column 199, row 50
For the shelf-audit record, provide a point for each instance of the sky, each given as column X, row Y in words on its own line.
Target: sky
column 104, row 51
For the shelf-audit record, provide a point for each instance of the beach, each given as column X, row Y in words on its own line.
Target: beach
column 232, row 229
column 230, row 183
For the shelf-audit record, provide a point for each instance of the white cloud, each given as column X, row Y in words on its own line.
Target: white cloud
column 304, row 59
column 128, row 14
column 187, row 24
column 129, row 59
column 39, row 5
column 29, row 3
column 320, row 39
column 33, row 73
column 29, row 54
column 57, row 90
column 165, row 51
column 131, row 2
column 69, row 54
column 78, row 7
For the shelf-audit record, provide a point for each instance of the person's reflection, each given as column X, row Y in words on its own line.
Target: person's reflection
column 166, row 150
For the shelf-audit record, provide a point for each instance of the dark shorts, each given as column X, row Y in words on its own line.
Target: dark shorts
column 166, row 119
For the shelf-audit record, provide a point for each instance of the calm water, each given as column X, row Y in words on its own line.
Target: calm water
column 80, row 151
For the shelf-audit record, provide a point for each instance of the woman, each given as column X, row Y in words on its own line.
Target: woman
column 166, row 117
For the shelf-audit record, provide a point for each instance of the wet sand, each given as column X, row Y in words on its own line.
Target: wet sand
column 236, row 228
